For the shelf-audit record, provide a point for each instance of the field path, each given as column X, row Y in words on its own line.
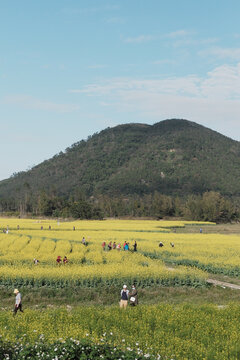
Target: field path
column 216, row 282
column 223, row 284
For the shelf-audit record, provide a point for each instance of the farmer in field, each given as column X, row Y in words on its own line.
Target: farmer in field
column 135, row 246
column 84, row 241
column 160, row 244
column 124, row 297
column 103, row 245
column 18, row 302
column 59, row 260
column 65, row 260
column 133, row 296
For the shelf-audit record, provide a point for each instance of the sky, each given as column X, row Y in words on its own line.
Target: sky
column 71, row 68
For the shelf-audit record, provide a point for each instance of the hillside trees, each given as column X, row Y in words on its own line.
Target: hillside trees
column 211, row 206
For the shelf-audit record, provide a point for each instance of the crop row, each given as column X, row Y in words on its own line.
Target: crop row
column 232, row 271
column 99, row 281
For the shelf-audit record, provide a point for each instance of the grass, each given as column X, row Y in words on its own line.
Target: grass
column 46, row 297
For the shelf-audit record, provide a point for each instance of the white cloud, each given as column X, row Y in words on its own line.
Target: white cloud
column 222, row 82
column 127, row 85
column 31, row 103
column 222, row 53
column 164, row 61
column 146, row 38
column 212, row 100
column 88, row 10
column 188, row 41
column 139, row 39
column 178, row 33
column 97, row 66
column 115, row 20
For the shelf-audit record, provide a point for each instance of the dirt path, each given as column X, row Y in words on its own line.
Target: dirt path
column 216, row 282
column 223, row 284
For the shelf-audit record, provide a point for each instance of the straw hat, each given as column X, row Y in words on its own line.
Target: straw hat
column 16, row 291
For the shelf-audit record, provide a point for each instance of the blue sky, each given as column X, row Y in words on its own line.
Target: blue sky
column 70, row 68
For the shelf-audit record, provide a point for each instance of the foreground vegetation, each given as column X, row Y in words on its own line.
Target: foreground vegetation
column 179, row 332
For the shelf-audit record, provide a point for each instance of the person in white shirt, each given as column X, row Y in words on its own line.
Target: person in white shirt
column 18, row 302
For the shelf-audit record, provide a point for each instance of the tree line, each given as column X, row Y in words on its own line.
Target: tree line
column 210, row 206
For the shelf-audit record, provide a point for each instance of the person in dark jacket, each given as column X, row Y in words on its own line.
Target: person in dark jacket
column 135, row 246
column 133, row 296
column 124, row 297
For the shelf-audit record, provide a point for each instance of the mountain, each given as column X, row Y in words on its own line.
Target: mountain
column 173, row 157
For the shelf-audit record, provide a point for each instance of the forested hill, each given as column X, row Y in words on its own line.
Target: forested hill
column 173, row 157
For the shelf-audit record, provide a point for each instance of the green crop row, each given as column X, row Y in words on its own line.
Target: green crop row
column 97, row 282
column 233, row 271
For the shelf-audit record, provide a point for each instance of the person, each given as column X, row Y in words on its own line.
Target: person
column 58, row 260
column 49, row 227
column 83, row 241
column 73, row 228
column 133, row 296
column 126, row 247
column 135, row 246
column 172, row 244
column 104, row 245
column 160, row 244
column 114, row 245
column 65, row 260
column 110, row 246
column 18, row 302
column 35, row 261
column 125, row 243
column 118, row 246
column 18, row 227
column 200, row 231
column 124, row 297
